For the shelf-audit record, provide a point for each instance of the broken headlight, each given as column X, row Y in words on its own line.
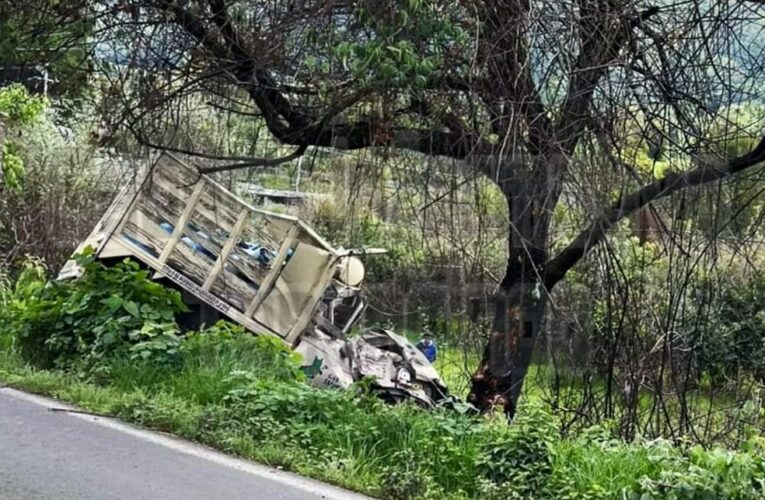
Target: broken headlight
column 403, row 376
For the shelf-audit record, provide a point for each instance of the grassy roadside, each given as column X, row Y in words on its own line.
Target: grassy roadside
column 356, row 442
column 109, row 344
column 349, row 440
column 162, row 411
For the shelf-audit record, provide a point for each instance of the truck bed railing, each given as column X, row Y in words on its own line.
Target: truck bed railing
column 267, row 271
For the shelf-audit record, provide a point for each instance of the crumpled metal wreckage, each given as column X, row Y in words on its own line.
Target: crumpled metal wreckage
column 398, row 370
column 269, row 272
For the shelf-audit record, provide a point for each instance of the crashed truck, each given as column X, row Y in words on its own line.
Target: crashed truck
column 269, row 272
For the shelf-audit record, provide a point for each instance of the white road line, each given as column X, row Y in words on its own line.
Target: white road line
column 196, row 450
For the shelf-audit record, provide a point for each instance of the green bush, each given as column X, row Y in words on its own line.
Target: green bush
column 230, row 345
column 17, row 107
column 517, row 461
column 158, row 343
column 80, row 322
column 734, row 344
column 408, row 452
column 247, row 395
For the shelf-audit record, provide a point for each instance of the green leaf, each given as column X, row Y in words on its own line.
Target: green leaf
column 112, row 303
column 132, row 308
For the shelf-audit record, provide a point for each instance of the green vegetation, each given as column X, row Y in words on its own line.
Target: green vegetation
column 247, row 395
column 17, row 108
column 475, row 141
column 52, row 172
column 393, row 54
column 51, row 34
column 78, row 323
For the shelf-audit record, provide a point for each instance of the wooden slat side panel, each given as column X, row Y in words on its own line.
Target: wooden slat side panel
column 161, row 199
column 147, row 237
column 194, row 265
column 207, row 233
column 261, row 231
column 231, row 282
column 224, row 307
column 179, row 191
column 220, row 210
column 139, row 240
column 226, row 250
column 116, row 211
column 207, row 211
column 234, row 287
column 214, row 221
column 277, row 265
column 246, row 264
column 142, row 232
column 181, row 279
column 157, row 181
column 216, row 214
column 180, row 223
column 162, row 204
column 252, row 255
column 207, row 245
column 176, row 172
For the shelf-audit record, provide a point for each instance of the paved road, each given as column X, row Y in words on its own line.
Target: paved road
column 48, row 454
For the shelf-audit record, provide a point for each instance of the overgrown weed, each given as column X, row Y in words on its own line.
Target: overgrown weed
column 247, row 396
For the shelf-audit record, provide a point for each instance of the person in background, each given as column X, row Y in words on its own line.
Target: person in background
column 428, row 347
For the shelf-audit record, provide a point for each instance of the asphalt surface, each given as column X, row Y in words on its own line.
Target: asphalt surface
column 60, row 455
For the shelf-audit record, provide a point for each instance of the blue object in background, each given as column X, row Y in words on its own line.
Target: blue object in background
column 261, row 254
column 429, row 350
column 196, row 247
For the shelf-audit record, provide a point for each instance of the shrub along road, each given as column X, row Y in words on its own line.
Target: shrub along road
column 108, row 342
column 59, row 454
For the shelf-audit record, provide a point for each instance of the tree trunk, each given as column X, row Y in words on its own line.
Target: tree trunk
column 499, row 378
column 519, row 305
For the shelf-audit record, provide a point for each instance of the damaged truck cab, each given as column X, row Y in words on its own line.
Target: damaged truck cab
column 269, row 272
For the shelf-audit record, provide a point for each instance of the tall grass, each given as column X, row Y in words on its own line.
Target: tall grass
column 201, row 373
column 246, row 397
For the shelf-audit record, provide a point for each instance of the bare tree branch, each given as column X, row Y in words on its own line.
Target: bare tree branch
column 557, row 267
column 261, row 162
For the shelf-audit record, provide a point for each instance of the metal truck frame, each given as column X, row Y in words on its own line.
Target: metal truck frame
column 269, row 272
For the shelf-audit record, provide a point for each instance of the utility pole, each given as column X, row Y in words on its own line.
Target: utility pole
column 299, row 170
column 46, row 79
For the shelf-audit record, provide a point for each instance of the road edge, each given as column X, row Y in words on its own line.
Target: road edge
column 190, row 448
